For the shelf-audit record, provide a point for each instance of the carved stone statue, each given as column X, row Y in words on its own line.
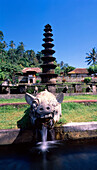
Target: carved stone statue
column 45, row 107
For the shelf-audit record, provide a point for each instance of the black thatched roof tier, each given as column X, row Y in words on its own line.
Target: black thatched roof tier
column 48, row 58
column 48, row 34
column 51, row 66
column 48, row 44
column 46, row 29
column 47, row 39
column 48, row 75
column 48, row 51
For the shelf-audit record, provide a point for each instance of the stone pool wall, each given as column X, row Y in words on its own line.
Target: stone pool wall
column 71, row 131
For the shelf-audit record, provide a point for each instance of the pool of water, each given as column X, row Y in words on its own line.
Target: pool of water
column 67, row 155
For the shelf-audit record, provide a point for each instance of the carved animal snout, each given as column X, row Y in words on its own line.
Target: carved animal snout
column 42, row 109
column 45, row 105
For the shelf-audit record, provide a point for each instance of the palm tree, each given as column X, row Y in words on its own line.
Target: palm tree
column 1, row 36
column 39, row 55
column 12, row 44
column 91, row 57
column 11, row 52
column 5, row 44
column 20, row 49
column 61, row 64
column 30, row 54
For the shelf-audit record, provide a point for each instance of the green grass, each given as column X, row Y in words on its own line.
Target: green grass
column 13, row 117
column 78, row 112
column 81, row 97
column 12, row 100
column 10, row 115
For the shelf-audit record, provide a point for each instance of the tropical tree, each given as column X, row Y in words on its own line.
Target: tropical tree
column 29, row 55
column 3, row 45
column 39, row 55
column 1, row 36
column 20, row 49
column 95, row 69
column 12, row 57
column 20, row 54
column 58, row 70
column 61, row 64
column 66, row 68
column 92, row 69
column 12, row 44
column 35, row 62
column 9, row 71
column 91, row 57
column 33, row 59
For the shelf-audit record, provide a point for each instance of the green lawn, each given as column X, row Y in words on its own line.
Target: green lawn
column 71, row 112
column 10, row 115
column 79, row 97
column 12, row 100
column 79, row 112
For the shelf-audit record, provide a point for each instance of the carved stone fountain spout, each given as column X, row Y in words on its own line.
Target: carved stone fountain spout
column 45, row 108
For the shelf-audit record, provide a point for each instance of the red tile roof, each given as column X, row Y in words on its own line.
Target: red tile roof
column 79, row 71
column 27, row 69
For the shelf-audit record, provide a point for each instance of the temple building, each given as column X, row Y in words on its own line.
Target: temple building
column 78, row 72
column 29, row 75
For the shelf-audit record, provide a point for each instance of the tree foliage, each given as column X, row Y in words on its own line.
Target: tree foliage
column 13, row 60
column 58, row 70
column 66, row 68
column 92, row 69
column 87, row 79
column 63, row 67
column 1, row 36
column 91, row 57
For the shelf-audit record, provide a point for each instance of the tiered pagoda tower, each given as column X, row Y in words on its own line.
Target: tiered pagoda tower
column 48, row 75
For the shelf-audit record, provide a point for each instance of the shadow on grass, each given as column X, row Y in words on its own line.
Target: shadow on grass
column 30, row 133
column 24, row 122
column 27, row 132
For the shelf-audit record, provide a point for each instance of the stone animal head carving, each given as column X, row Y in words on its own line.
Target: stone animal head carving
column 45, row 106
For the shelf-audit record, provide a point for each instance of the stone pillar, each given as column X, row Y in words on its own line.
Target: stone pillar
column 51, row 88
column 94, row 88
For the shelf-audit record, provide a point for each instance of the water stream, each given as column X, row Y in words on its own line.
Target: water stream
column 44, row 138
column 45, row 144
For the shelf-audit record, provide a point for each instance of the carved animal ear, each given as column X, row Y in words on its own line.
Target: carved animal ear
column 29, row 98
column 60, row 97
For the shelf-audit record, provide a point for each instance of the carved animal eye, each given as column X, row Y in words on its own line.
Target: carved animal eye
column 48, row 108
column 41, row 108
column 35, row 104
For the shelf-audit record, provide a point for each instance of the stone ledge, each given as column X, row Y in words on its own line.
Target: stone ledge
column 75, row 130
column 70, row 131
column 80, row 126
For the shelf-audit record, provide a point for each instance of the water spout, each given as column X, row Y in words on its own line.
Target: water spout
column 44, row 134
column 44, row 139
